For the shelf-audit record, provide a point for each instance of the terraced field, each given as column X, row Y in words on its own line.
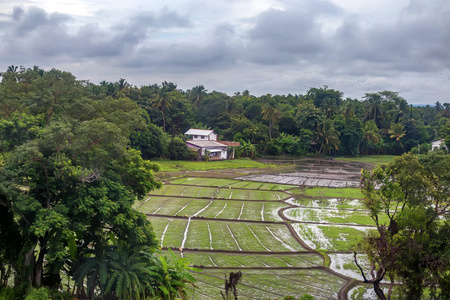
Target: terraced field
column 271, row 231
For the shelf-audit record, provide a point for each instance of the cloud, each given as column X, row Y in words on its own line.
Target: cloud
column 36, row 34
column 278, row 47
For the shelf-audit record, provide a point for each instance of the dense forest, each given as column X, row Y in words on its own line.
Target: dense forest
column 73, row 161
column 321, row 121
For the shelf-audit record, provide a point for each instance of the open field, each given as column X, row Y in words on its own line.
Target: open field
column 346, row 193
column 326, row 215
column 218, row 193
column 221, row 235
column 206, row 208
column 371, row 159
column 171, row 166
column 225, row 183
column 266, row 224
column 256, row 260
column 272, row 284
column 330, row 237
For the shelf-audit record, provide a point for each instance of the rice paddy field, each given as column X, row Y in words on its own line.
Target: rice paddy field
column 286, row 239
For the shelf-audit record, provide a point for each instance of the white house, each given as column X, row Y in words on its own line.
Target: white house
column 215, row 150
column 437, row 144
column 202, row 134
column 205, row 142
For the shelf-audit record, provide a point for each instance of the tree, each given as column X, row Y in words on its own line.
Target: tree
column 413, row 243
column 374, row 110
column 197, row 93
column 73, row 180
column 165, row 97
column 351, row 134
column 271, row 114
column 371, row 137
column 328, row 137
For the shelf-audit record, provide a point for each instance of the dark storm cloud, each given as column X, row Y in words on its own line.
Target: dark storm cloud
column 187, row 55
column 285, row 37
column 415, row 43
column 35, row 33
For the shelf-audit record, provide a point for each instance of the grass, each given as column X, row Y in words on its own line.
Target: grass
column 225, row 183
column 330, row 192
column 218, row 193
column 172, row 166
column 330, row 203
column 248, row 236
column 271, row 284
column 371, row 159
column 333, row 216
column 223, row 209
column 330, row 237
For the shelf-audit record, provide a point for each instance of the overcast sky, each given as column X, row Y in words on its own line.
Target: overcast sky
column 265, row 46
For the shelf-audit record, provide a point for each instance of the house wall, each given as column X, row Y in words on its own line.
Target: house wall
column 211, row 137
column 436, row 144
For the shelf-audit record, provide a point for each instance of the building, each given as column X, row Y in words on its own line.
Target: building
column 202, row 134
column 437, row 144
column 205, row 142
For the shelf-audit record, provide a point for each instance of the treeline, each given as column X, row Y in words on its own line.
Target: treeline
column 320, row 122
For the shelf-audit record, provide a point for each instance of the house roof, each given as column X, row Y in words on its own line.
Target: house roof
column 206, row 144
column 227, row 143
column 203, row 132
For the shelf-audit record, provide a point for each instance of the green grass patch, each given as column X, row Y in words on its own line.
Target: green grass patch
column 371, row 159
column 218, row 193
column 246, row 236
column 326, row 258
column 338, row 203
column 329, row 192
column 331, row 237
column 171, row 166
column 271, row 284
column 339, row 216
column 222, row 209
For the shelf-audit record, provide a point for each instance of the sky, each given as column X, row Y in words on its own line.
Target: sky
column 264, row 46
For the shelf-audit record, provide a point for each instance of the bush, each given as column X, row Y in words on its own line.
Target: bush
column 39, row 294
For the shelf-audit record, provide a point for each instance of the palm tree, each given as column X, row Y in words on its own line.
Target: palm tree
column 198, row 92
column 329, row 137
column 397, row 131
column 270, row 113
column 163, row 102
column 131, row 274
column 374, row 110
column 371, row 136
column 401, row 109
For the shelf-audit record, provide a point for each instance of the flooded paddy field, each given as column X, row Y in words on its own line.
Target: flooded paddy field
column 284, row 230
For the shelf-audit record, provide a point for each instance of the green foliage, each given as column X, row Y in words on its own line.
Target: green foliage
column 411, row 245
column 178, row 149
column 151, row 141
column 38, row 294
column 68, row 184
column 174, row 277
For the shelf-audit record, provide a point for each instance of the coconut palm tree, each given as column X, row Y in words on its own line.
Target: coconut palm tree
column 371, row 136
column 328, row 137
column 374, row 109
column 271, row 114
column 197, row 95
column 397, row 131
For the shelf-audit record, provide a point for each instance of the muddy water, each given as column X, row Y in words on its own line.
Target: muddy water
column 321, row 173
